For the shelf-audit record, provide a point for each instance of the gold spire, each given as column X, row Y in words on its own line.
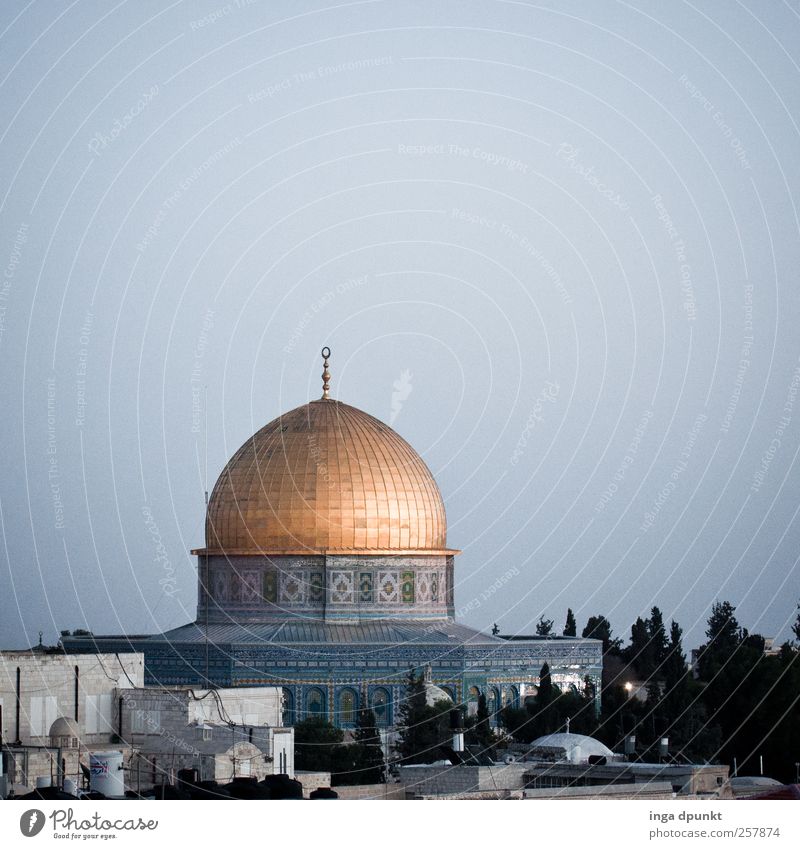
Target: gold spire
column 326, row 375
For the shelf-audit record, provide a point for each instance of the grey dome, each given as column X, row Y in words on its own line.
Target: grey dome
column 65, row 727
column 577, row 747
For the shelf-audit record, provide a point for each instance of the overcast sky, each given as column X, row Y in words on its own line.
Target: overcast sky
column 556, row 246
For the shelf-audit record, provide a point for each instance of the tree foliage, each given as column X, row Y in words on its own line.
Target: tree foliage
column 599, row 628
column 314, row 742
column 362, row 761
column 422, row 729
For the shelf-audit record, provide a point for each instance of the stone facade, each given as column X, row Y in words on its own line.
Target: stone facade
column 38, row 687
column 220, row 733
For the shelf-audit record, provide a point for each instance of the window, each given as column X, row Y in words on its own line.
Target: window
column 145, row 721
column 347, row 707
column 512, row 697
column 315, row 702
column 288, row 707
column 493, row 703
column 472, row 701
column 380, row 706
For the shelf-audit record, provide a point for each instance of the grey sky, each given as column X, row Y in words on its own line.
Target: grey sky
column 572, row 225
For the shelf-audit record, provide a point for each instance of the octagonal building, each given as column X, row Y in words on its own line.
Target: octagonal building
column 326, row 571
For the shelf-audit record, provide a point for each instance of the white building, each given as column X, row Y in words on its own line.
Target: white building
column 56, row 709
column 222, row 734
column 38, row 687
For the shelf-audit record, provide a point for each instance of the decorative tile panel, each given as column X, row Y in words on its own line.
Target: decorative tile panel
column 388, row 587
column 423, row 587
column 341, row 587
column 220, row 585
column 407, row 588
column 292, row 587
column 316, row 587
column 248, row 587
column 365, row 588
column 271, row 586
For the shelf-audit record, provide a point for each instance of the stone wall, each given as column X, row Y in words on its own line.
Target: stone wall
column 435, row 780
column 372, row 791
column 49, row 684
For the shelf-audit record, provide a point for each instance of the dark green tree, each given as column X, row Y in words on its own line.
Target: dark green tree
column 544, row 627
column 724, row 636
column 659, row 644
column 546, row 712
column 571, row 626
column 637, row 654
column 796, row 626
column 479, row 729
column 315, row 740
column 599, row 628
column 362, row 761
column 421, row 728
column 674, row 666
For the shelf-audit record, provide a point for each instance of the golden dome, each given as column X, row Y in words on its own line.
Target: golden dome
column 325, row 478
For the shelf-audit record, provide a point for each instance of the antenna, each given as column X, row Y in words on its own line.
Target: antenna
column 205, row 440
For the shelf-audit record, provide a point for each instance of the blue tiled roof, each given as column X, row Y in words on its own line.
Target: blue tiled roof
column 380, row 632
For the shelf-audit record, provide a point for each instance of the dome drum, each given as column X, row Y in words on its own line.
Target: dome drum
column 343, row 588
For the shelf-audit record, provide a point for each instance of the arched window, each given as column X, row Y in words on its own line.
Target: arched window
column 451, row 693
column 315, row 702
column 512, row 697
column 472, row 701
column 380, row 706
column 493, row 703
column 288, row 707
column 347, row 707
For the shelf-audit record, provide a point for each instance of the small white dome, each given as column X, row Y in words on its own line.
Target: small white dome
column 435, row 694
column 65, row 727
column 582, row 746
